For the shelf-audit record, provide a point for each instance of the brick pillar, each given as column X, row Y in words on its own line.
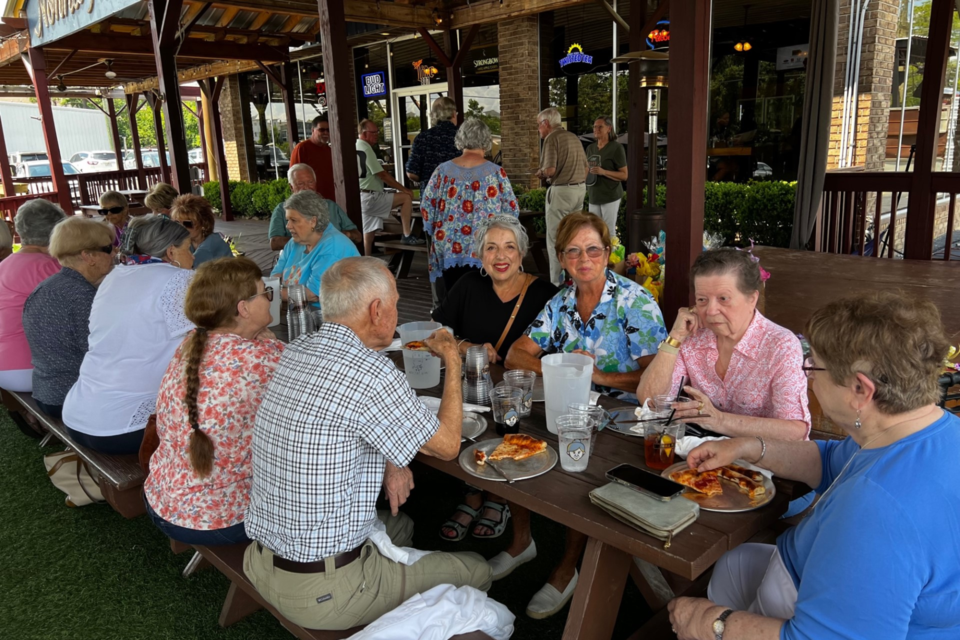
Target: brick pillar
column 874, row 87
column 234, row 140
column 520, row 99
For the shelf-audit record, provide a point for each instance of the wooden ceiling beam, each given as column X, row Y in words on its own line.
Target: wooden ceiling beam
column 228, row 16
column 113, row 45
column 491, row 11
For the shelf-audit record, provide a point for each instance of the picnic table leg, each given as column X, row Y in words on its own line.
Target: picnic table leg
column 237, row 606
column 652, row 584
column 596, row 600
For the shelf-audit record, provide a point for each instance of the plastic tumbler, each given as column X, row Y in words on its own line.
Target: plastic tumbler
column 274, row 284
column 660, row 443
column 505, row 402
column 476, row 376
column 598, row 417
column 574, row 432
column 422, row 369
column 665, row 402
column 524, row 380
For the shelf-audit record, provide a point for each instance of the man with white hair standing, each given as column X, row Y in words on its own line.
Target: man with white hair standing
column 436, row 145
column 563, row 164
column 303, row 178
column 338, row 420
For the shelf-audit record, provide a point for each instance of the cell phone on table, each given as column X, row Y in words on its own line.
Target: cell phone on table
column 645, row 482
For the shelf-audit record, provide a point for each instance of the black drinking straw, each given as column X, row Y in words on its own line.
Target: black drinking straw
column 683, row 380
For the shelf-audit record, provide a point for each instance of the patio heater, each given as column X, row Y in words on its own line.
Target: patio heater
column 649, row 219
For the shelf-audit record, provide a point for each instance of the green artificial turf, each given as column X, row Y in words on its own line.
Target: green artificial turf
column 89, row 573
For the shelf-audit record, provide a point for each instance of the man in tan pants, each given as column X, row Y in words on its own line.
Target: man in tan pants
column 564, row 164
column 337, row 421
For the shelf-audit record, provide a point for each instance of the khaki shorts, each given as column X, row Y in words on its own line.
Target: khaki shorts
column 375, row 207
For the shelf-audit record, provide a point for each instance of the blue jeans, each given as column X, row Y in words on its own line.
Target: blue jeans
column 206, row 538
column 124, row 443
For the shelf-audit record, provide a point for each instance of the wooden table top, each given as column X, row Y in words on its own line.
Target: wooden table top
column 563, row 497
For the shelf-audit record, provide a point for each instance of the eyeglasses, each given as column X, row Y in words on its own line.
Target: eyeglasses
column 187, row 224
column 267, row 291
column 111, row 210
column 574, row 253
column 809, row 367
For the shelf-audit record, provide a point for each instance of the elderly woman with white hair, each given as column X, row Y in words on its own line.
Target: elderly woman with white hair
column 116, row 210
column 137, row 321
column 461, row 194
column 316, row 244
column 19, row 276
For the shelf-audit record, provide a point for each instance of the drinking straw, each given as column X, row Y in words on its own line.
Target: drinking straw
column 683, row 380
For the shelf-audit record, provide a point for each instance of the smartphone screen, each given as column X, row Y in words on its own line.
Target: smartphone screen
column 645, row 481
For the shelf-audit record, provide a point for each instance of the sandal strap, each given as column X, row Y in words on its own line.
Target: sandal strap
column 496, row 506
column 467, row 509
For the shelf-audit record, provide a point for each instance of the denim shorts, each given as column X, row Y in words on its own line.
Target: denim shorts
column 205, row 538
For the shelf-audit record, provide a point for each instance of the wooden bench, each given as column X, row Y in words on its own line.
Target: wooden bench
column 243, row 598
column 119, row 476
column 401, row 266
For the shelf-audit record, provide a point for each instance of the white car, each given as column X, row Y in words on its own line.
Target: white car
column 91, row 161
column 763, row 170
column 195, row 156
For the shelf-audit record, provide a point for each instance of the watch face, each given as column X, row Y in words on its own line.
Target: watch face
column 718, row 627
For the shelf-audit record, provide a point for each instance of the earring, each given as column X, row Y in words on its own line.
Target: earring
column 858, row 424
column 176, row 263
column 483, row 272
column 521, row 268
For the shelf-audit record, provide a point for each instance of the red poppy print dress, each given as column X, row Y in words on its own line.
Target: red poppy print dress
column 234, row 374
column 454, row 202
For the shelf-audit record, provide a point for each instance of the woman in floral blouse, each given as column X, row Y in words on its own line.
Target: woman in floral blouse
column 460, row 194
column 200, row 475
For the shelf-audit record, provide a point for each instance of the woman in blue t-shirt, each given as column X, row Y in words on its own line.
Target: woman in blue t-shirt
column 879, row 555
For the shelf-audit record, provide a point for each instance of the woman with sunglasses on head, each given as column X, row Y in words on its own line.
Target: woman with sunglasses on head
column 603, row 315
column 200, row 474
column 116, row 210
column 196, row 214
column 56, row 316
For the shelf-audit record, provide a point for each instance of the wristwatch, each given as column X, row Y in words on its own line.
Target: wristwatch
column 720, row 624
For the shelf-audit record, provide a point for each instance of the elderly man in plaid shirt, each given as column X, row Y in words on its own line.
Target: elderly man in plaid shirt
column 337, row 422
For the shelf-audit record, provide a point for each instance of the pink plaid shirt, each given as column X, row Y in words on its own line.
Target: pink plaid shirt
column 764, row 379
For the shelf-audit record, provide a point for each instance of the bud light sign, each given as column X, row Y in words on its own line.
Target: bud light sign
column 373, row 85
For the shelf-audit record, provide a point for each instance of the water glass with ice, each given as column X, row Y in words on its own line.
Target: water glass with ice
column 574, row 432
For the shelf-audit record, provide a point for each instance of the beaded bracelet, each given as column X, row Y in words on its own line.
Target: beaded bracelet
column 763, row 449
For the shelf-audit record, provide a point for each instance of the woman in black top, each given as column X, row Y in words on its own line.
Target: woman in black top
column 478, row 309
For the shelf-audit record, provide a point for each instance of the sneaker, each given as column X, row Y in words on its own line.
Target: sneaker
column 411, row 240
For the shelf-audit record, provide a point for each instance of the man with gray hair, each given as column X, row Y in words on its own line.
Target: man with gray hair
column 302, row 177
column 564, row 165
column 338, row 421
column 433, row 147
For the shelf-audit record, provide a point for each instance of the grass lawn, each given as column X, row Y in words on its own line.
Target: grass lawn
column 89, row 573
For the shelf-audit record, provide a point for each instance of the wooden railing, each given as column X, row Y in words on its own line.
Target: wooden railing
column 10, row 204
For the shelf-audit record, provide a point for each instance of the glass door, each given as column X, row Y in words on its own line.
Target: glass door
column 410, row 107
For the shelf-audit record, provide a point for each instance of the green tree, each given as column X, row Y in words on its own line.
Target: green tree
column 475, row 110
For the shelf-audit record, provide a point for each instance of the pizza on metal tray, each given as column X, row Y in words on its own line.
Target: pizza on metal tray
column 515, row 446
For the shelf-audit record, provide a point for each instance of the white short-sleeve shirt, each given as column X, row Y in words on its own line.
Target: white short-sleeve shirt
column 136, row 323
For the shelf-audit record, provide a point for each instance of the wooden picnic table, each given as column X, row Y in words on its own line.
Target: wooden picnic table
column 613, row 546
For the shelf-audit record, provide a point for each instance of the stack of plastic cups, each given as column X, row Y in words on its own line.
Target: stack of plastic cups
column 298, row 316
column 476, row 376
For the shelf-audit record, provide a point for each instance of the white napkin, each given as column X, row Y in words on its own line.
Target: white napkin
column 686, row 444
column 403, row 555
column 434, row 405
column 643, row 413
column 594, row 397
column 394, row 346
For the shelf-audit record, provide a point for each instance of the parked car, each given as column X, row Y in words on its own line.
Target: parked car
column 41, row 169
column 27, row 156
column 763, row 170
column 195, row 156
column 90, row 161
column 269, row 157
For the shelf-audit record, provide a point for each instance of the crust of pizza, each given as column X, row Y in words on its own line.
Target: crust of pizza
column 479, row 457
column 756, row 476
column 517, row 446
column 745, row 484
column 706, row 483
column 416, row 345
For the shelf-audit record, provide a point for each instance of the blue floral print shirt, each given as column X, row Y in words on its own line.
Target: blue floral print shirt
column 453, row 203
column 626, row 325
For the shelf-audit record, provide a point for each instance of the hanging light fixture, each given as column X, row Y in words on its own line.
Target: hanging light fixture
column 61, row 86
column 743, row 45
column 110, row 73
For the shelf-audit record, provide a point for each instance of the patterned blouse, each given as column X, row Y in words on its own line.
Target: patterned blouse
column 234, row 374
column 764, row 378
column 625, row 326
column 453, row 203
column 431, row 148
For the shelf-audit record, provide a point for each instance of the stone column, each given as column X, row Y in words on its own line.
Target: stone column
column 877, row 51
column 520, row 99
column 234, row 139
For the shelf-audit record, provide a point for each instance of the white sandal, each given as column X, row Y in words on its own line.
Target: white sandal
column 503, row 563
column 549, row 601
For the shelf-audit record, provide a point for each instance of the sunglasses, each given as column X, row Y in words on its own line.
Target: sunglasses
column 267, row 291
column 111, row 210
column 187, row 224
column 107, row 249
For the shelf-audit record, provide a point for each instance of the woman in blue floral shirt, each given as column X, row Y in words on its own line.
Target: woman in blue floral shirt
column 608, row 317
column 462, row 193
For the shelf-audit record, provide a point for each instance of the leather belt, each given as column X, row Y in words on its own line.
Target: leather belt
column 370, row 191
column 570, row 184
column 319, row 566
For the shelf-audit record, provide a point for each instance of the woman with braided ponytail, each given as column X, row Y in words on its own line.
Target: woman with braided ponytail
column 200, row 475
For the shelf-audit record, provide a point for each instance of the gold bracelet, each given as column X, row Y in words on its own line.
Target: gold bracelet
column 673, row 342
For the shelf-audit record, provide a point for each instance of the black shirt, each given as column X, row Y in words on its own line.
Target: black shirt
column 475, row 312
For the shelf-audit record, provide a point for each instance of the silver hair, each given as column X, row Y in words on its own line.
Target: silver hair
column 473, row 134
column 442, row 109
column 551, row 115
column 507, row 223
column 110, row 199
column 349, row 286
column 35, row 221
column 300, row 166
column 309, row 204
column 152, row 235
column 607, row 122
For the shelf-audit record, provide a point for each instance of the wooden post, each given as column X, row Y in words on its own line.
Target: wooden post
column 154, row 103
column 922, row 207
column 209, row 149
column 289, row 104
column 689, row 24
column 455, row 68
column 8, row 188
column 636, row 130
column 115, row 130
column 133, row 106
column 164, row 29
column 343, row 130
column 36, row 64
column 211, row 91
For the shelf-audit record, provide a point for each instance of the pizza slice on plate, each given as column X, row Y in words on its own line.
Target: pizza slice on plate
column 756, row 476
column 416, row 345
column 515, row 446
column 746, row 485
column 706, row 483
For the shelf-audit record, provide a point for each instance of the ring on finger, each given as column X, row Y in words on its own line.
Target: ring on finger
column 700, row 407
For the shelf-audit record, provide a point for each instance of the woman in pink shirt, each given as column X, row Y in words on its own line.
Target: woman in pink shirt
column 19, row 276
column 742, row 371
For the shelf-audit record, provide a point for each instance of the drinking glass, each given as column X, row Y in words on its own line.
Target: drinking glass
column 598, row 416
column 298, row 318
column 524, row 380
column 574, row 432
column 660, row 443
column 665, row 402
column 505, row 402
column 476, row 376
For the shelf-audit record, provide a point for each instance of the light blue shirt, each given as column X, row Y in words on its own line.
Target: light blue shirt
column 296, row 266
column 879, row 556
column 211, row 248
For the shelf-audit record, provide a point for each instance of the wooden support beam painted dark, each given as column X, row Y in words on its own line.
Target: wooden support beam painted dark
column 164, row 23
column 436, row 48
column 211, row 88
column 115, row 132
column 36, row 64
column 289, row 104
column 133, row 106
column 156, row 107
column 689, row 24
column 636, row 132
column 454, row 74
column 343, row 129
column 5, row 177
column 270, row 73
column 66, row 59
column 116, row 45
column 616, row 16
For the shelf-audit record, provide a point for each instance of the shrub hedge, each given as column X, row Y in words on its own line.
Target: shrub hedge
column 249, row 199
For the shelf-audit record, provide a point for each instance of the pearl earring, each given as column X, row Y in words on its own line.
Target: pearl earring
column 858, row 424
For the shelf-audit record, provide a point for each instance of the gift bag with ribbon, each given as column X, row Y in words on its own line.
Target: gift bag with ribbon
column 69, row 473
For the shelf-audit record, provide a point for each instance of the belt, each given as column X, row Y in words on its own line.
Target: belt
column 570, row 184
column 319, row 566
column 370, row 191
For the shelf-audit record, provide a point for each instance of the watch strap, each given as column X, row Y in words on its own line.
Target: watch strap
column 722, row 619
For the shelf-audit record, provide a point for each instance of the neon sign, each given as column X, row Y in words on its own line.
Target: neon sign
column 373, row 84
column 660, row 36
column 575, row 54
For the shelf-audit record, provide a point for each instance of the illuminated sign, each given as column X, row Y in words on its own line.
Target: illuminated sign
column 575, row 54
column 659, row 37
column 373, row 85
column 425, row 72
